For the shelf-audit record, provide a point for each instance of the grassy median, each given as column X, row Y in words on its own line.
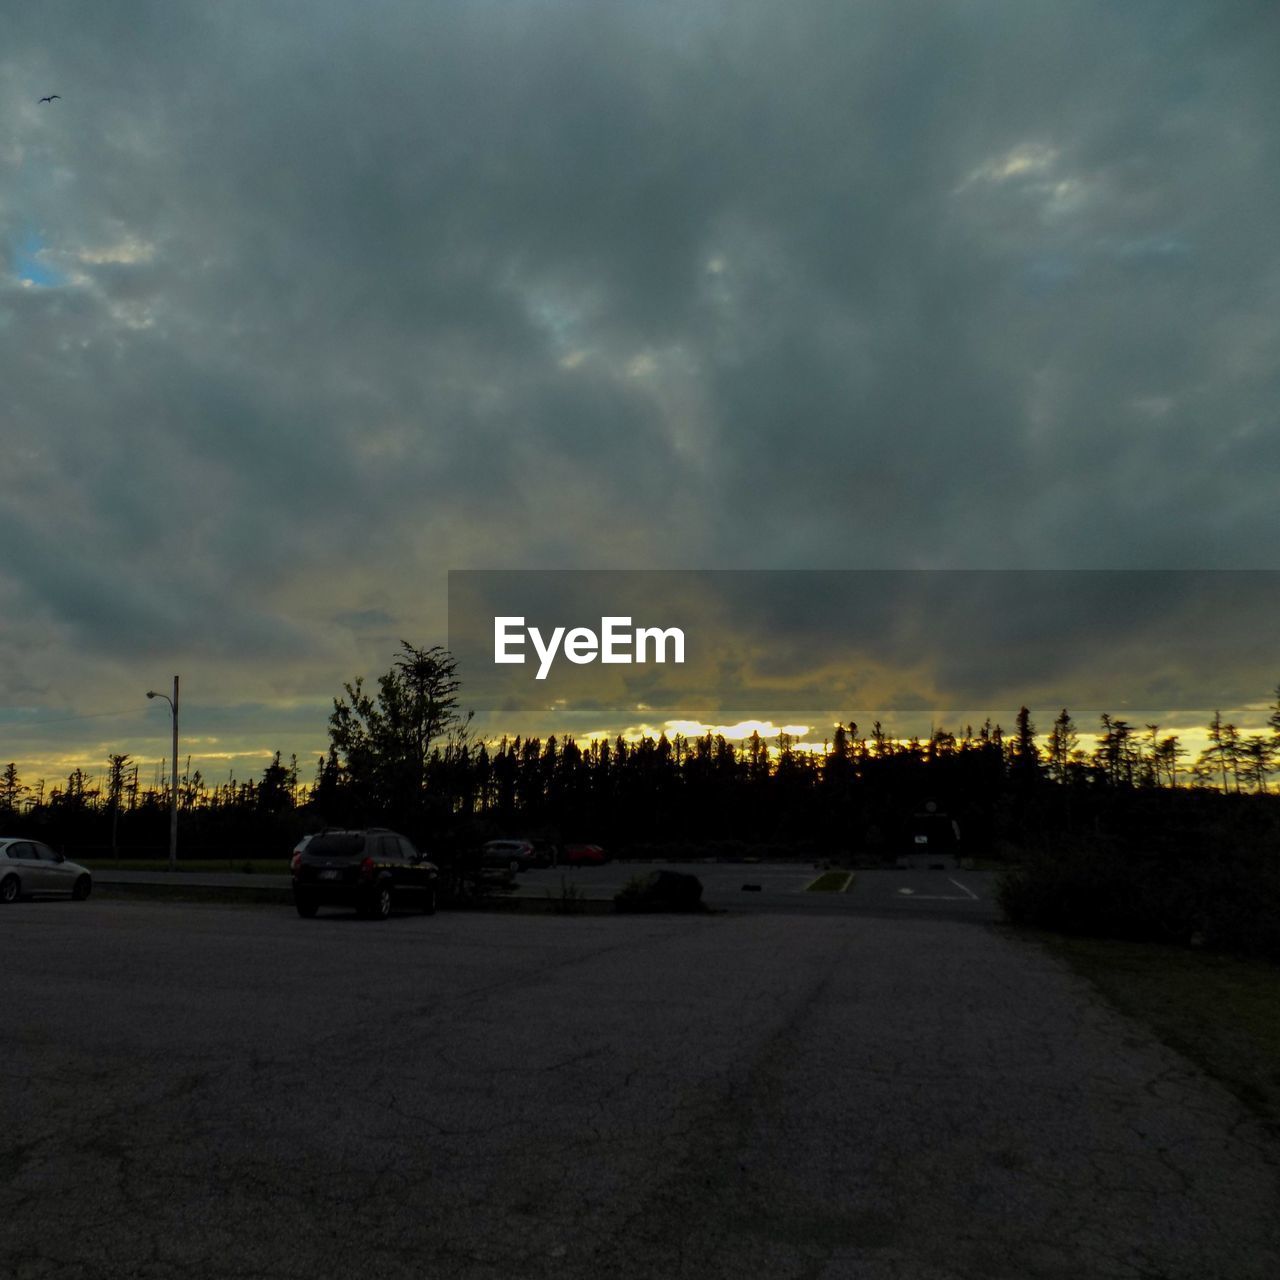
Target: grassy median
column 831, row 882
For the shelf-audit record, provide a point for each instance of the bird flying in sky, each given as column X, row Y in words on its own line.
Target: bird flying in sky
column 51, row 97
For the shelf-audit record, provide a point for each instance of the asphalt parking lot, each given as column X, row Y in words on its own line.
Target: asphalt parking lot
column 962, row 895
column 212, row 1091
column 785, row 886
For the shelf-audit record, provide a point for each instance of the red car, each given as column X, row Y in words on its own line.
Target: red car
column 584, row 855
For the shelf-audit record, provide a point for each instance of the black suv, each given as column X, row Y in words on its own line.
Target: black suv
column 371, row 870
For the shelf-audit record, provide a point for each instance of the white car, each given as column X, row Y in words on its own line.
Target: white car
column 29, row 869
column 516, row 855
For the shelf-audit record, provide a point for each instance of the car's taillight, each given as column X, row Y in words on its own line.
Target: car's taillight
column 295, row 864
column 367, row 868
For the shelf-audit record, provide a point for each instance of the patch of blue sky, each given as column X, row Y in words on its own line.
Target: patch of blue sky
column 31, row 265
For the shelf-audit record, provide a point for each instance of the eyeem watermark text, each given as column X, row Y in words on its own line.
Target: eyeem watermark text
column 616, row 642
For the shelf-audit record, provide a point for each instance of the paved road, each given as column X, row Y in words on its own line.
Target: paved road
column 775, row 886
column 227, row 1092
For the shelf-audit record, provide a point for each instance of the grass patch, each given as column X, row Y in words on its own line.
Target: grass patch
column 568, row 902
column 1218, row 1011
column 265, row 866
column 984, row 864
column 831, row 882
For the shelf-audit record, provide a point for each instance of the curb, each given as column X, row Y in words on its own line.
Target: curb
column 259, row 894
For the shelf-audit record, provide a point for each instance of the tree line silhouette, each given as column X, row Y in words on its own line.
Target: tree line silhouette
column 402, row 754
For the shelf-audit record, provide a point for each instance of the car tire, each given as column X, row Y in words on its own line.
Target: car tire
column 9, row 889
column 429, row 901
column 82, row 888
column 379, row 906
column 306, row 907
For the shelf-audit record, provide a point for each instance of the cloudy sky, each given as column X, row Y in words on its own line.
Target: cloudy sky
column 304, row 304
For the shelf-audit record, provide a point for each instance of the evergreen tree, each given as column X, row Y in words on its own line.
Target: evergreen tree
column 1222, row 756
column 1024, row 755
column 1258, row 760
column 274, row 792
column 117, row 776
column 1169, row 752
column 1114, row 756
column 1063, row 741
column 11, row 789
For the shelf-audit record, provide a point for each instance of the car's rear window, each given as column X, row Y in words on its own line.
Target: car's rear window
column 342, row 844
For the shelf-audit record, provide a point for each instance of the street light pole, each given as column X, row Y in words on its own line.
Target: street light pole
column 173, row 788
column 173, row 791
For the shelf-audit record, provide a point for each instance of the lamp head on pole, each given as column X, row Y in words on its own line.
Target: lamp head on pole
column 151, row 693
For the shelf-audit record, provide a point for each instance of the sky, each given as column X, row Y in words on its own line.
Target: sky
column 304, row 305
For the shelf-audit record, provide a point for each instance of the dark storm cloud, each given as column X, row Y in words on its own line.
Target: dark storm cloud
column 912, row 648
column 351, row 296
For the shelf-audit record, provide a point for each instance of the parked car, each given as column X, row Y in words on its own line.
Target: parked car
column 29, row 869
column 373, row 871
column 516, row 855
column 584, row 855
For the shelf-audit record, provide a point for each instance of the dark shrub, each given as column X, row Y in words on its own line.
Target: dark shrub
column 661, row 891
column 1209, row 883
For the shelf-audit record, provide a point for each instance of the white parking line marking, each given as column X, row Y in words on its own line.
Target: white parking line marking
column 969, row 895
